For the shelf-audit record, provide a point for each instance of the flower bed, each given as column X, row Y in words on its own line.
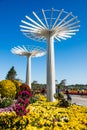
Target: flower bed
column 46, row 116
column 75, row 92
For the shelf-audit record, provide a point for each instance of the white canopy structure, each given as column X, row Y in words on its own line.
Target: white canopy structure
column 28, row 51
column 47, row 26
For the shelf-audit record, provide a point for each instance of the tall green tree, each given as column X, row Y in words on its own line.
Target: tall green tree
column 11, row 75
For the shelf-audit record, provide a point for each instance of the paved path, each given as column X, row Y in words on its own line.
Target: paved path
column 79, row 100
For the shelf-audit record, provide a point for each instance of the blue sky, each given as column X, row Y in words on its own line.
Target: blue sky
column 70, row 55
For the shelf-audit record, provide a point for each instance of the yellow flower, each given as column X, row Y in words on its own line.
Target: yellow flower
column 47, row 116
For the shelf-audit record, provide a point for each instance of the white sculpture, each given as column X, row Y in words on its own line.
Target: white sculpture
column 29, row 52
column 49, row 25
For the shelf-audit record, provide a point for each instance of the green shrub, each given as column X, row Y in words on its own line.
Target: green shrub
column 5, row 102
column 59, row 96
column 64, row 103
column 7, row 89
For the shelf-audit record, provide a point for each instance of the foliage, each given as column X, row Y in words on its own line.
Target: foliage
column 11, row 74
column 60, row 86
column 9, row 108
column 64, row 103
column 63, row 82
column 7, row 89
column 69, row 97
column 22, row 103
column 77, row 86
column 32, row 99
column 5, row 102
column 36, row 86
column 59, row 96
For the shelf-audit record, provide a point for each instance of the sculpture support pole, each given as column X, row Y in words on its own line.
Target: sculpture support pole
column 28, row 71
column 50, row 70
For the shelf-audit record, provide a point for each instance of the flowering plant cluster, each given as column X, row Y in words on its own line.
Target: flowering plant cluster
column 7, row 89
column 45, row 115
column 77, row 92
column 22, row 103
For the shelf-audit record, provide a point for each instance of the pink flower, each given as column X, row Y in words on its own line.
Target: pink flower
column 22, row 103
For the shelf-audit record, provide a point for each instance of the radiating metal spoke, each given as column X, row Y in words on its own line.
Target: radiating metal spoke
column 62, row 37
column 63, row 19
column 39, row 20
column 57, row 38
column 31, row 25
column 51, row 18
column 45, row 18
column 65, row 23
column 61, row 11
column 34, row 22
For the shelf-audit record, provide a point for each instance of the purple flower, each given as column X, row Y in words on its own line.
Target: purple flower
column 22, row 103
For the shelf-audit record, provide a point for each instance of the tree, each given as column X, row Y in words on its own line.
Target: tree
column 56, row 82
column 61, row 85
column 36, row 87
column 34, row 82
column 11, row 75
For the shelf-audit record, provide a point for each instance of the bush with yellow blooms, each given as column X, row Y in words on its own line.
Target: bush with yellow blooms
column 45, row 115
column 7, row 89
